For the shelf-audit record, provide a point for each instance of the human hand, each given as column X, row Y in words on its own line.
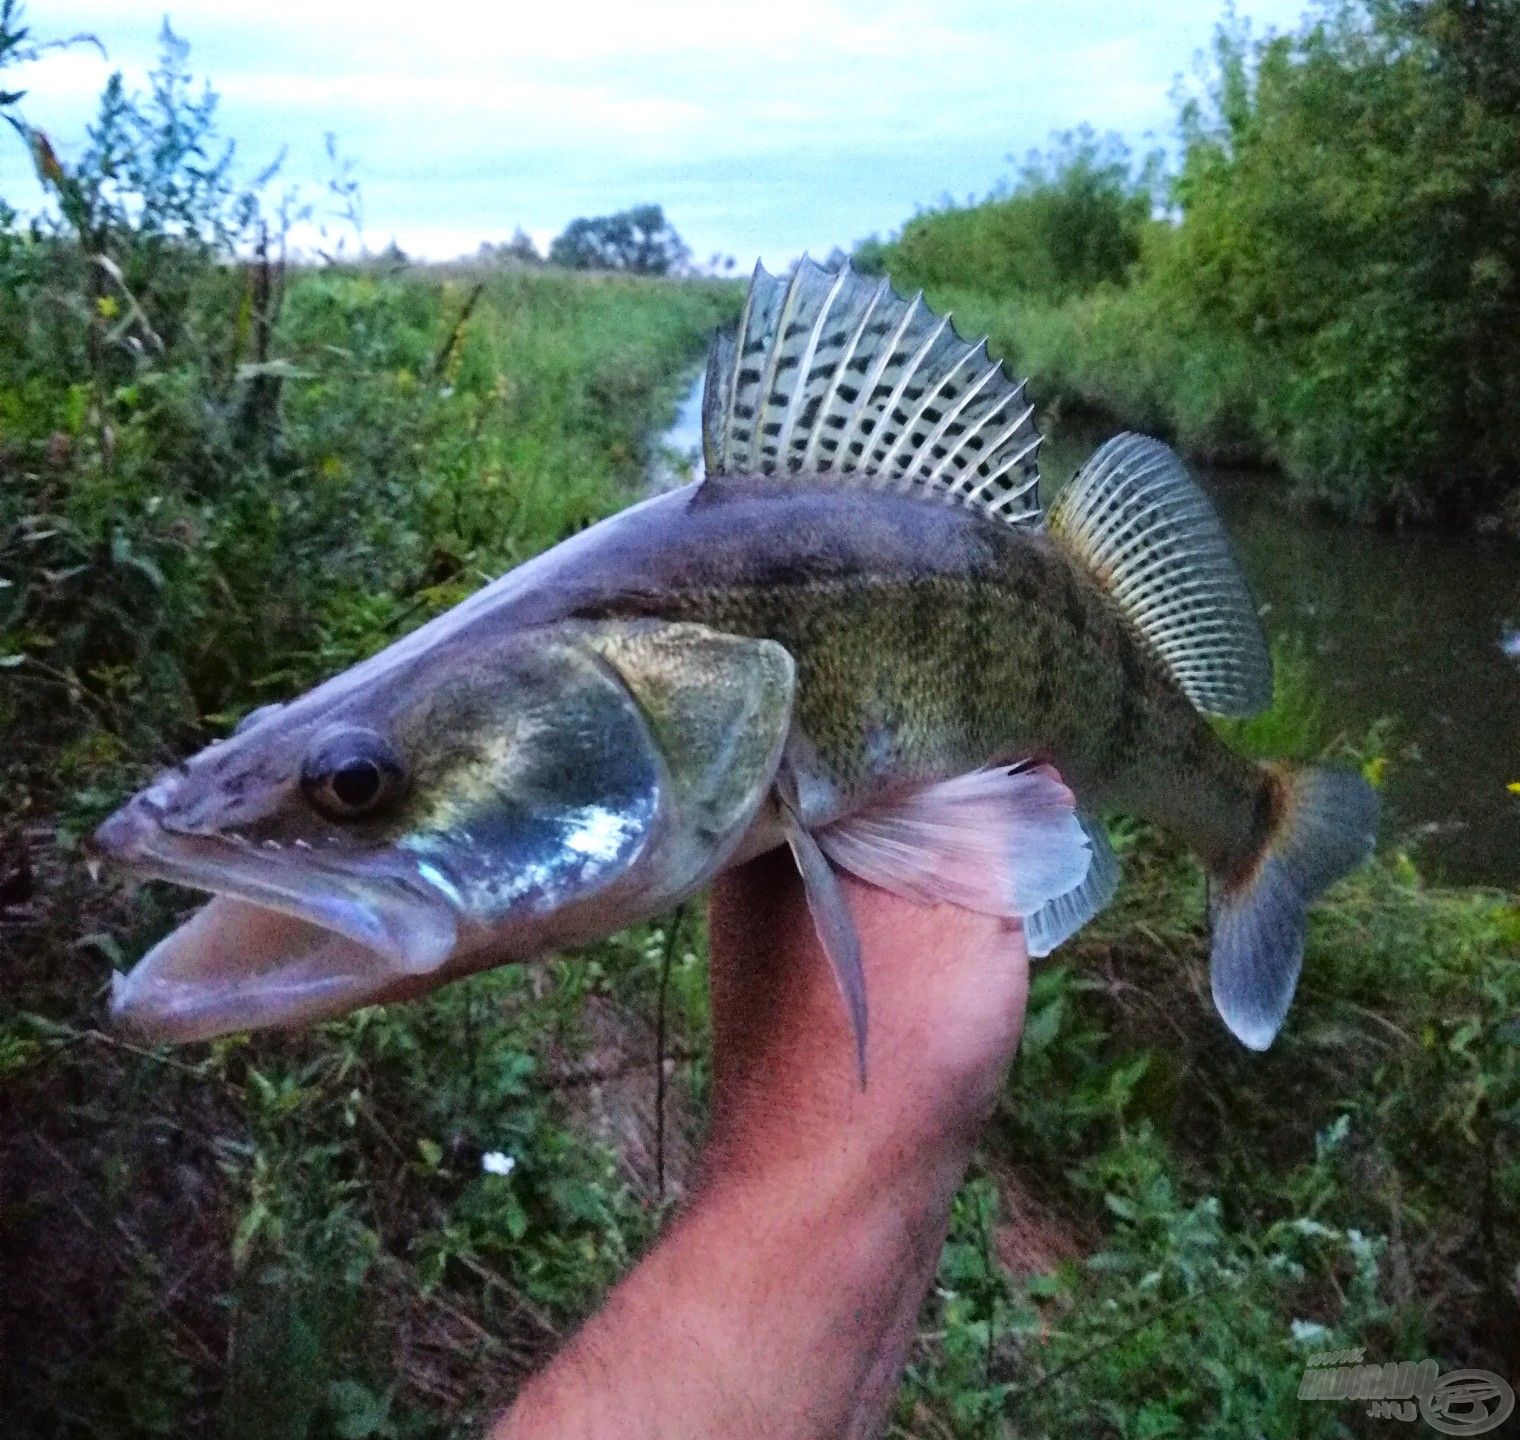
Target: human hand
column 782, row 1303
column 947, row 990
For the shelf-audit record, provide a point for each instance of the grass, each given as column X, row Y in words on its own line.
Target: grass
column 1354, row 1187
column 1322, row 279
column 179, row 1226
column 1221, row 1216
column 219, row 482
column 312, row 1205
column 1120, row 353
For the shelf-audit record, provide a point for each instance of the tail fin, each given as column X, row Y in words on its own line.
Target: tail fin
column 1327, row 827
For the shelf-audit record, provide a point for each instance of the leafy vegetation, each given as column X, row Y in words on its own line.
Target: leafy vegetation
column 1333, row 286
column 1206, row 1220
column 1073, row 219
column 222, row 477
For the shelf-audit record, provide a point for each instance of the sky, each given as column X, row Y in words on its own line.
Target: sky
column 764, row 130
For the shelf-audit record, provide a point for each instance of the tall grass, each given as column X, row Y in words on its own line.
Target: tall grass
column 1331, row 283
column 307, row 1206
column 1125, row 353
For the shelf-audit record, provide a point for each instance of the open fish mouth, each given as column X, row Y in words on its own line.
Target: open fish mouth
column 280, row 944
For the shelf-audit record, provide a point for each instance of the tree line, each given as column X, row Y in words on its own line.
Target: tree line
column 1327, row 279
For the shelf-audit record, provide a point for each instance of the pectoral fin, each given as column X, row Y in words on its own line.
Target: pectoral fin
column 1003, row 842
column 834, row 924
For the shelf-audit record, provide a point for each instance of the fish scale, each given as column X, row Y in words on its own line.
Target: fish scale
column 970, row 643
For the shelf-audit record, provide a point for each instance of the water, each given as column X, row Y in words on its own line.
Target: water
column 1417, row 629
column 677, row 457
column 1420, row 629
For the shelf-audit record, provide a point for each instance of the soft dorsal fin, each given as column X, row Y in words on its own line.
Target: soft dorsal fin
column 833, row 375
column 1137, row 520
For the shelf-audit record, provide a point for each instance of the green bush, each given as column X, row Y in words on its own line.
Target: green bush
column 317, row 459
column 1072, row 219
column 1335, row 287
column 223, row 477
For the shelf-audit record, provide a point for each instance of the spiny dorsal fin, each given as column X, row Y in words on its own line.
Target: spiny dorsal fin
column 1138, row 521
column 834, row 375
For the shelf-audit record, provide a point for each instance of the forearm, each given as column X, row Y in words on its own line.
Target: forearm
column 782, row 1303
column 779, row 1305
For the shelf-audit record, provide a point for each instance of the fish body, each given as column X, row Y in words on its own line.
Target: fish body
column 860, row 637
column 928, row 643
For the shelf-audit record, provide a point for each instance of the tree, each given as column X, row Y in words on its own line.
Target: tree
column 1351, row 204
column 640, row 241
column 1072, row 219
column 519, row 250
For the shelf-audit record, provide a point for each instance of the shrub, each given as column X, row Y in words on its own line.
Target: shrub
column 1072, row 219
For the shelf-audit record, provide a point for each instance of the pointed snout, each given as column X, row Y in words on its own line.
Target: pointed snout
column 126, row 834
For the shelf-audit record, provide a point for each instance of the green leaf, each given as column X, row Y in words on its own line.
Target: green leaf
column 358, row 1412
column 516, row 1218
column 106, row 944
column 1124, row 1209
column 1041, row 1028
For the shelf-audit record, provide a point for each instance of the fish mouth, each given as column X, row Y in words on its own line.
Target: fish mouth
column 287, row 938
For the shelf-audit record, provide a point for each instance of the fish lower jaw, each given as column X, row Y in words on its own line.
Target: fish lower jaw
column 236, row 965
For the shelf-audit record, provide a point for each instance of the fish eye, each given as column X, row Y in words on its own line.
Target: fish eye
column 351, row 773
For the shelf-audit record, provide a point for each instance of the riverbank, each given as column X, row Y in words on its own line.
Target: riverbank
column 178, row 1226
column 1402, row 633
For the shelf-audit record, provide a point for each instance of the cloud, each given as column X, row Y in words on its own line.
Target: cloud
column 797, row 124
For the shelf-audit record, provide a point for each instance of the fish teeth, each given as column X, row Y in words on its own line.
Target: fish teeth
column 92, row 865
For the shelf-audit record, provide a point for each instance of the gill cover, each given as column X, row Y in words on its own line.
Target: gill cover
column 719, row 706
column 625, row 789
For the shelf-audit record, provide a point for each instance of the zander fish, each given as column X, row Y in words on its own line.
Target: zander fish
column 859, row 636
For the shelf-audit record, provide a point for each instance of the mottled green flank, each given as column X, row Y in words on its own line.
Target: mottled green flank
column 934, row 642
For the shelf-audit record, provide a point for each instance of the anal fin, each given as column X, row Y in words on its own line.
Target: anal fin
column 1055, row 922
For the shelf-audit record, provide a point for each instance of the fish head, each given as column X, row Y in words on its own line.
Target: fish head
column 473, row 804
